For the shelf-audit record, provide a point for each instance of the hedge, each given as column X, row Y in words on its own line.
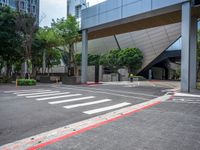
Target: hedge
column 27, row 82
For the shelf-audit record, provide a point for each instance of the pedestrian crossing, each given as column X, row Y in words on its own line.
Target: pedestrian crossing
column 29, row 94
column 71, row 100
column 106, row 108
column 185, row 98
column 55, row 97
column 89, row 104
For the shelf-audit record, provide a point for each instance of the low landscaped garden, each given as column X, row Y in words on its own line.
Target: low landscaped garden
column 26, row 82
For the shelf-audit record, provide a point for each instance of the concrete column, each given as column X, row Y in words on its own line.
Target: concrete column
column 84, row 64
column 193, row 53
column 185, row 53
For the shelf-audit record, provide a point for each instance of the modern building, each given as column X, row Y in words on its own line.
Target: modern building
column 152, row 41
column 118, row 17
column 28, row 6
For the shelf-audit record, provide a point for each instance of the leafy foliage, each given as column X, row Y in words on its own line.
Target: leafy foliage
column 68, row 31
column 198, row 45
column 53, row 57
column 10, row 49
column 92, row 59
column 26, row 26
column 49, row 37
column 198, row 52
column 112, row 59
column 131, row 58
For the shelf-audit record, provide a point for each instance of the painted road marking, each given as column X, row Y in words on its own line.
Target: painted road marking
column 186, row 95
column 30, row 94
column 87, row 104
column 59, row 134
column 45, row 95
column 55, row 97
column 21, row 90
column 72, row 100
column 94, row 111
column 125, row 92
column 99, row 91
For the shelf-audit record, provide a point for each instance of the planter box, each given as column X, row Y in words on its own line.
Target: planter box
column 45, row 79
column 71, row 80
column 139, row 78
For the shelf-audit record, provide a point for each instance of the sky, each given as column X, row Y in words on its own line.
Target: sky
column 51, row 9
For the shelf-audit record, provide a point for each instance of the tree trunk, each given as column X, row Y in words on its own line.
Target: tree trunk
column 71, row 61
column 44, row 62
column 26, row 66
column 198, row 72
column 34, row 72
column 8, row 69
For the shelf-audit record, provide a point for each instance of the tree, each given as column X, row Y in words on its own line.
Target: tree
column 111, row 60
column 37, row 53
column 131, row 58
column 50, row 40
column 93, row 59
column 68, row 30
column 26, row 26
column 198, row 52
column 10, row 49
column 53, row 57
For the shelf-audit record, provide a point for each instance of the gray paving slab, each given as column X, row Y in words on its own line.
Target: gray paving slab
column 167, row 126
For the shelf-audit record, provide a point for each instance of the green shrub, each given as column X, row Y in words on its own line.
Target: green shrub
column 26, row 82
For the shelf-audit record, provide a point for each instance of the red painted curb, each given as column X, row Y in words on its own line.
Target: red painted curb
column 89, row 128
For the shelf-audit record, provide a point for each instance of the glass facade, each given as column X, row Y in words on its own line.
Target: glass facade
column 29, row 6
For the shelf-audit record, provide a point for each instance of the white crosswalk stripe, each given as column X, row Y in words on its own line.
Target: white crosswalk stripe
column 30, row 94
column 87, row 104
column 59, row 97
column 45, row 95
column 55, row 97
column 187, row 95
column 72, row 100
column 189, row 100
column 94, row 111
column 22, row 90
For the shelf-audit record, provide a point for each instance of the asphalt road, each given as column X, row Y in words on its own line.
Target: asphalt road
column 172, row 124
column 26, row 113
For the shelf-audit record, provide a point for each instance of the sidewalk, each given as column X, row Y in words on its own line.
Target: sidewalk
column 167, row 126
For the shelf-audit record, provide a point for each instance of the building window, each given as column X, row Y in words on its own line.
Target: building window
column 22, row 5
column 78, row 11
column 34, row 10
